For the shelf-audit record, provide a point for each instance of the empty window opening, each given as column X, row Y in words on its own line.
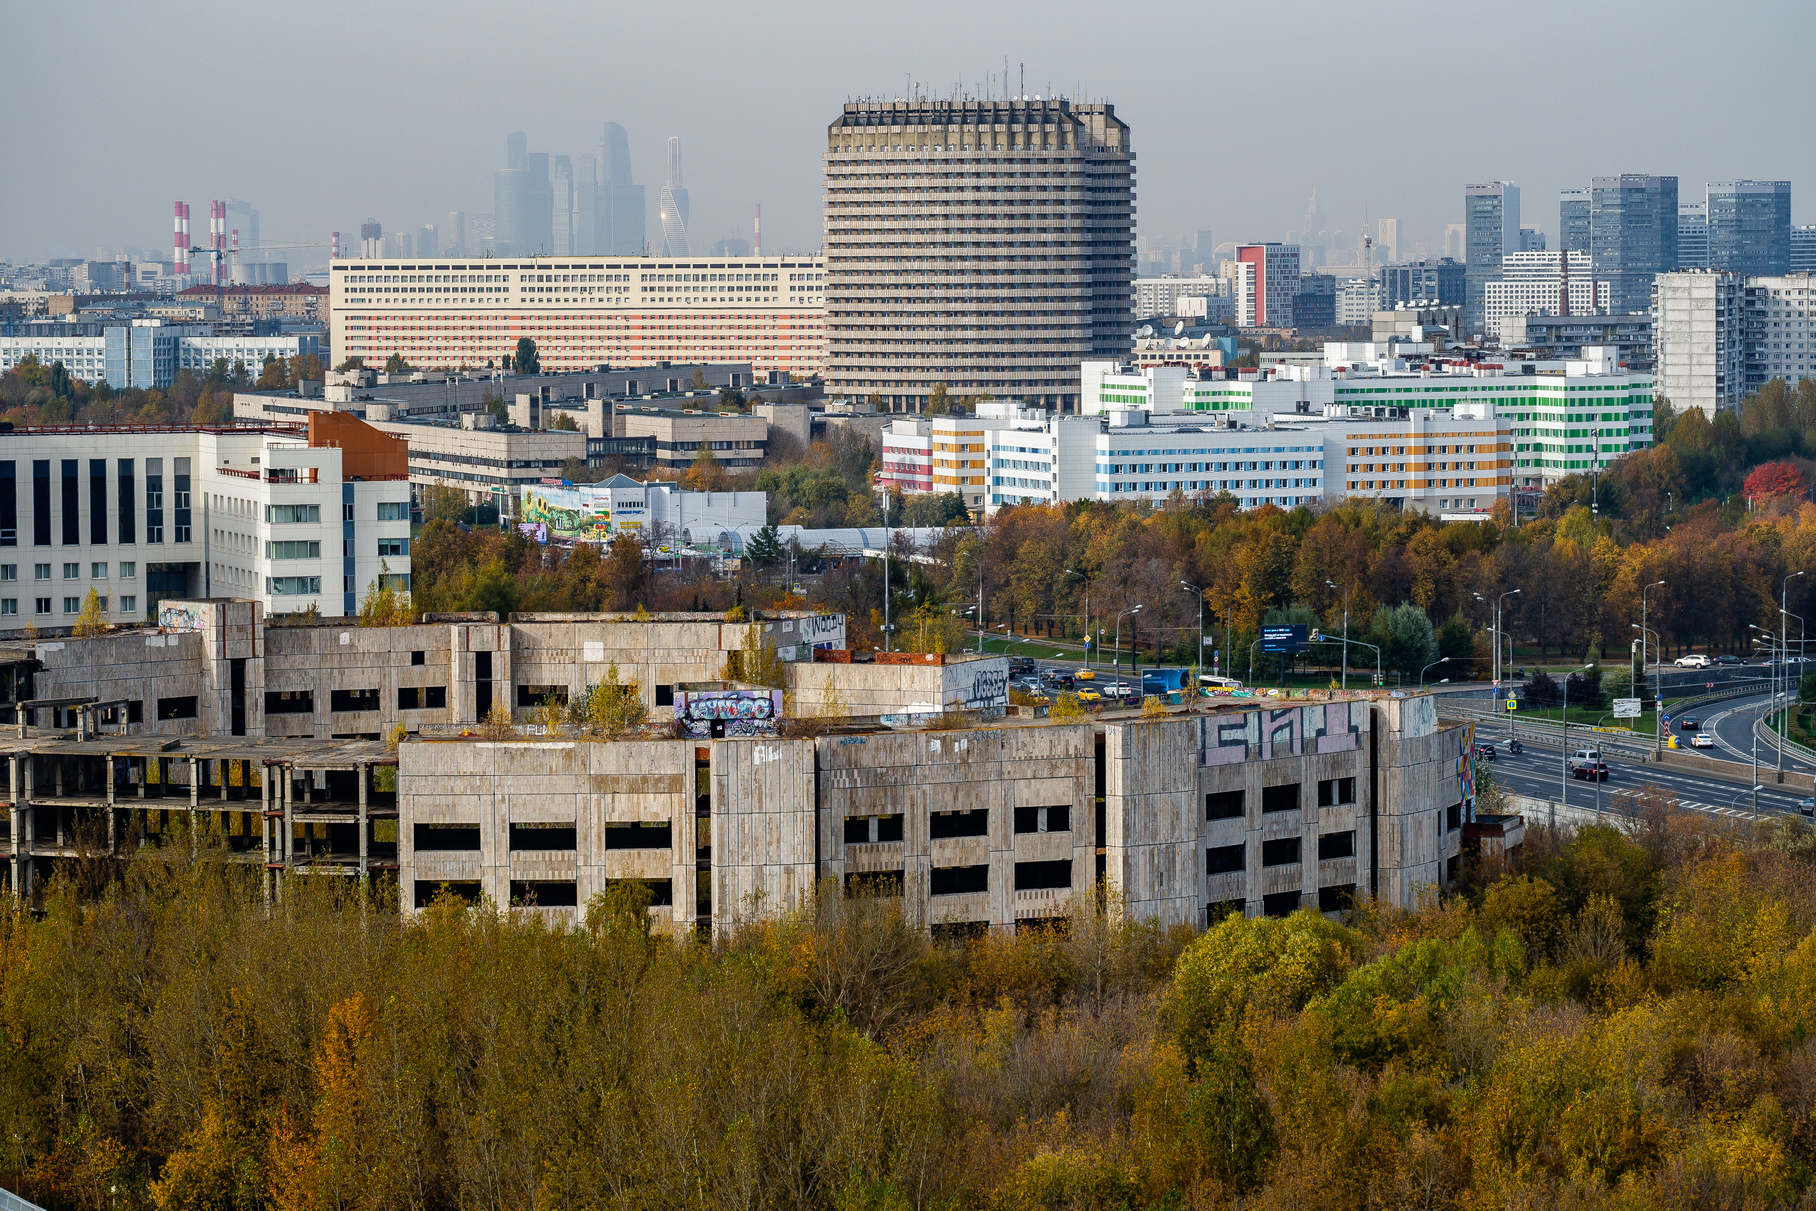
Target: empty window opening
column 958, row 880
column 873, row 883
column 289, row 702
column 1335, row 792
column 428, row 891
column 345, row 701
column 1280, row 798
column 959, row 824
column 869, row 830
column 1043, row 876
column 1223, row 805
column 1280, row 904
column 544, row 836
column 1337, row 845
column 546, row 893
column 433, row 838
column 1283, row 851
column 1056, row 819
column 1225, row 859
column 1336, row 899
column 640, row 834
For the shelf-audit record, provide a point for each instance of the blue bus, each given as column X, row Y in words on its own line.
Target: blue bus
column 1160, row 682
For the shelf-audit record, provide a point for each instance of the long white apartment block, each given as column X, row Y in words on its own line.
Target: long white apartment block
column 582, row 312
column 295, row 519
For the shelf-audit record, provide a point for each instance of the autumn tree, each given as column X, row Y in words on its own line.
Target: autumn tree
column 526, row 360
column 1774, row 479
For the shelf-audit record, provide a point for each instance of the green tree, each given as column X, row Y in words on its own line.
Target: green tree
column 274, row 374
column 527, row 360
column 1455, row 640
column 765, row 547
column 501, row 412
column 698, row 382
column 395, row 364
column 565, row 423
column 939, row 403
column 1406, row 638
column 707, row 474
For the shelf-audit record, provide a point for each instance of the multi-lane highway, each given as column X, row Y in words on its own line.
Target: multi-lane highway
column 1731, row 724
column 1540, row 774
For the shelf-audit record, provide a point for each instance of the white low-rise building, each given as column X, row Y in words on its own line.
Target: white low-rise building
column 295, row 519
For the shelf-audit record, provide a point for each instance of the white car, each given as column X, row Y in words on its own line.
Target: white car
column 1695, row 660
column 1702, row 740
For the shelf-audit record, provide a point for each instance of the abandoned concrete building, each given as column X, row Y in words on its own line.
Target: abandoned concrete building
column 920, row 786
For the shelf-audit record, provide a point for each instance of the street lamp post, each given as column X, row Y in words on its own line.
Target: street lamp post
column 1657, row 698
column 1500, row 633
column 1197, row 661
column 1119, row 618
column 1333, row 584
column 1784, row 636
column 1434, row 664
column 1088, row 643
column 1563, row 754
column 887, row 629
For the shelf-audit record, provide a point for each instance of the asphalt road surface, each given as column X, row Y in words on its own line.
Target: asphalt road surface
column 1731, row 723
column 1538, row 773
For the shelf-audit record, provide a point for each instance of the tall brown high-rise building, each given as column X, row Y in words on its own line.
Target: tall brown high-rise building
column 988, row 246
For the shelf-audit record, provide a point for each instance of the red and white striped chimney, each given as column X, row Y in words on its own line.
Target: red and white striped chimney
column 334, row 245
column 179, row 239
column 757, row 230
column 217, row 240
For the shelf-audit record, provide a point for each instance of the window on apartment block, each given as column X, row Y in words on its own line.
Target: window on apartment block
column 1335, row 792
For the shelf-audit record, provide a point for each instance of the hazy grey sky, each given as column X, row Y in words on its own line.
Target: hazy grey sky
column 322, row 114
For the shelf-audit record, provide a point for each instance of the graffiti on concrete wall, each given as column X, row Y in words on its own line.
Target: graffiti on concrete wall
column 708, row 713
column 1330, row 727
column 1466, row 766
column 986, row 688
column 179, row 616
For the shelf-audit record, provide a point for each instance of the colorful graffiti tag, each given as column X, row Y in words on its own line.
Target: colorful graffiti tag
column 705, row 713
column 1332, row 727
column 181, row 617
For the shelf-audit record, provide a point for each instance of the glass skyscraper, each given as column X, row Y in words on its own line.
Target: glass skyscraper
column 1491, row 230
column 1632, row 236
column 1750, row 226
column 1573, row 220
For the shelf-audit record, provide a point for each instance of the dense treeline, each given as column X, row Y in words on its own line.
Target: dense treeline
column 1623, row 1020
column 32, row 393
column 1688, row 512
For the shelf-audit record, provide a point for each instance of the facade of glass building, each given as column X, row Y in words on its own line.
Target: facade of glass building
column 1750, row 226
column 1632, row 235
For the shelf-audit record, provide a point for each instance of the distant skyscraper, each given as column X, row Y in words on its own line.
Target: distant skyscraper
column 1750, row 226
column 428, row 241
column 1453, row 241
column 1531, row 240
column 674, row 205
column 1204, row 249
column 516, row 147
column 1692, row 235
column 622, row 210
column 1632, row 236
column 1573, row 220
column 1269, row 302
column 586, row 205
column 455, row 237
column 1803, row 249
column 371, row 239
column 541, row 193
column 523, row 202
column 241, row 217
column 1491, row 223
column 1387, row 241
column 563, row 207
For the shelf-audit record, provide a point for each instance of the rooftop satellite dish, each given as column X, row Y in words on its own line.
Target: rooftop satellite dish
column 1146, row 330
column 1178, row 327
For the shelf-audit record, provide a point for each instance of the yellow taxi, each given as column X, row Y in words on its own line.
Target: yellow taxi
column 1089, row 696
column 1084, row 675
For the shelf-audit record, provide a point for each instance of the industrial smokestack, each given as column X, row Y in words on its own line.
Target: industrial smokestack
column 757, row 231
column 334, row 245
column 179, row 255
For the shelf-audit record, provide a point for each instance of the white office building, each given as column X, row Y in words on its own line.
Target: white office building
column 146, row 353
column 296, row 520
column 1699, row 339
column 1535, row 283
column 1162, row 296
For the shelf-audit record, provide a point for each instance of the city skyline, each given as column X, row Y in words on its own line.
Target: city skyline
column 756, row 135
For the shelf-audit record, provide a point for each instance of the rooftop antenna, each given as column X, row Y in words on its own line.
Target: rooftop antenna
column 1023, row 68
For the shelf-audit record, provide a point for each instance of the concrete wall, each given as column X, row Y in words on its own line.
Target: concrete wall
column 763, row 854
column 995, row 770
column 590, row 784
column 1420, row 773
column 963, row 683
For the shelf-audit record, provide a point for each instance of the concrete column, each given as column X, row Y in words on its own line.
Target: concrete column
column 362, row 773
column 284, row 843
column 265, row 875
column 12, row 769
column 195, row 799
column 113, row 843
column 28, row 830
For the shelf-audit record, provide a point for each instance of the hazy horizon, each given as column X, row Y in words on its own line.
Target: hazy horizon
column 1237, row 113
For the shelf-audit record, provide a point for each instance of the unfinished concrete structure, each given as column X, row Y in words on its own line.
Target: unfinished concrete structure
column 982, row 823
